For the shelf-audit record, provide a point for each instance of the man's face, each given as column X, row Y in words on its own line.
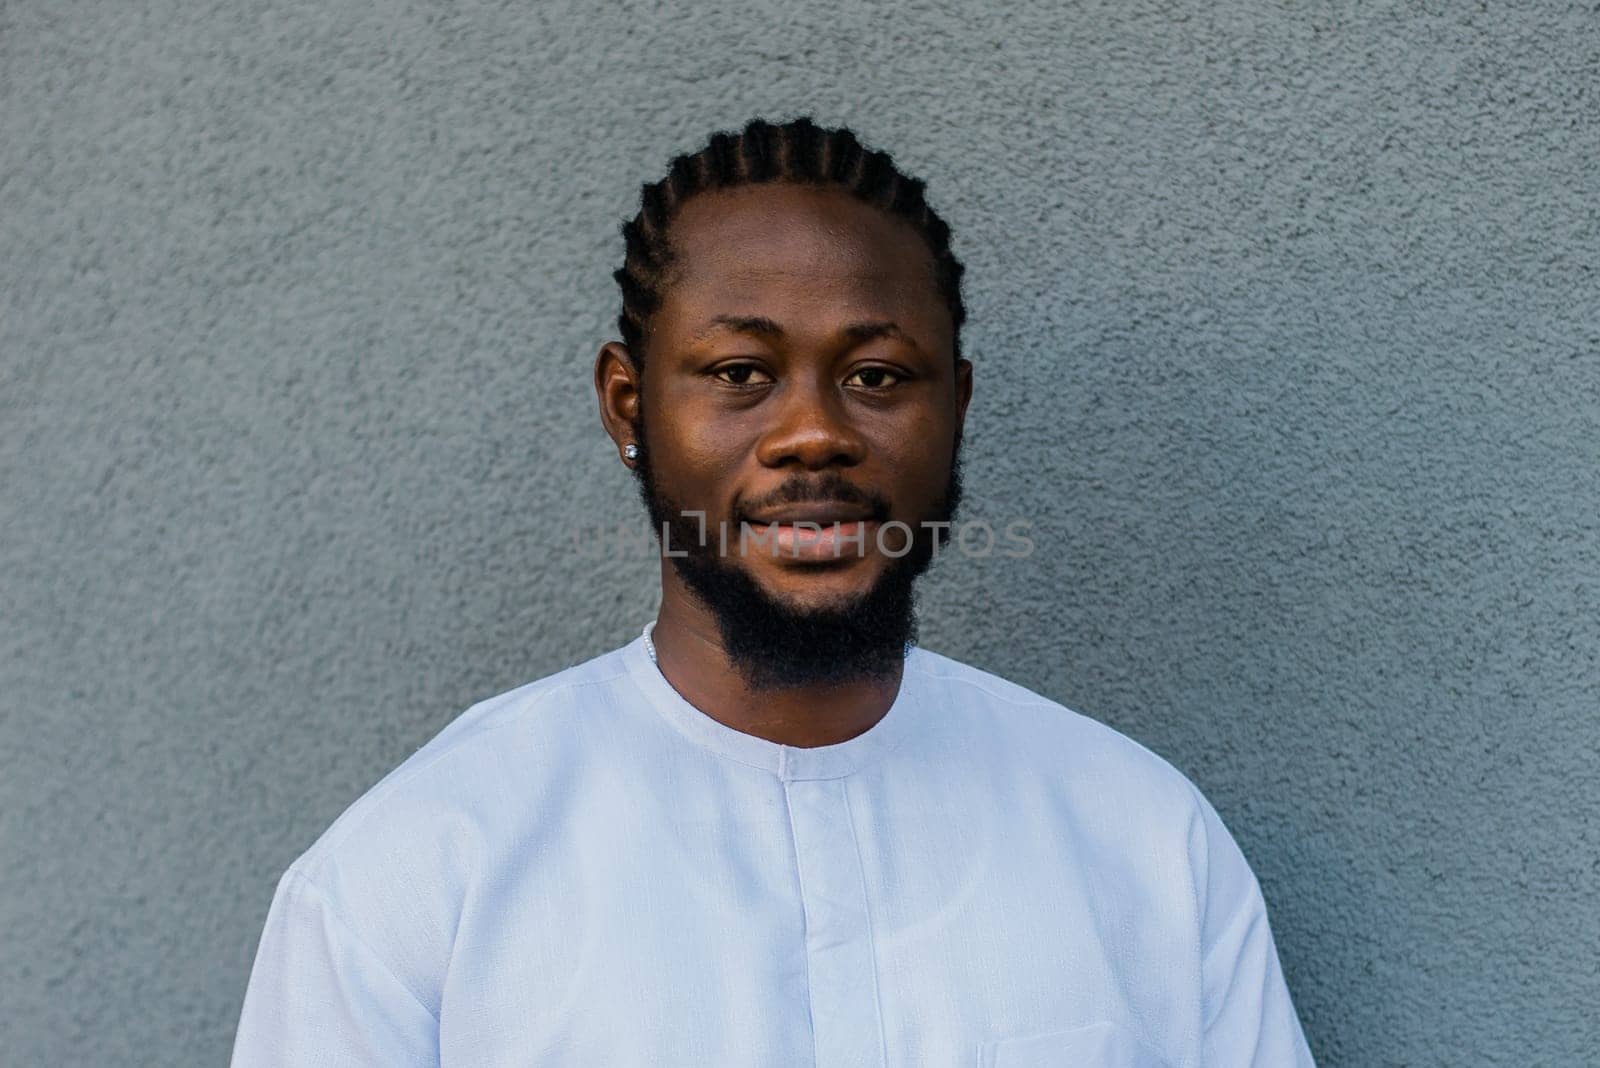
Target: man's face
column 801, row 369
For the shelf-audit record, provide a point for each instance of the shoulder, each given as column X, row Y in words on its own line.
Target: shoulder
column 394, row 870
column 1036, row 735
column 1138, row 815
column 440, row 808
column 391, row 874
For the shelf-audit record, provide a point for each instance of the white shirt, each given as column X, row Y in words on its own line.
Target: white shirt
column 588, row 870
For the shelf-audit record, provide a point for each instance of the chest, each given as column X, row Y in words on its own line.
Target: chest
column 825, row 922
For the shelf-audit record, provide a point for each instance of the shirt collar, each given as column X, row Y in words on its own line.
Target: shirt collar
column 788, row 762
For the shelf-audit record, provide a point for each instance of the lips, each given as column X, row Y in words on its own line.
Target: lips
column 815, row 542
column 822, row 514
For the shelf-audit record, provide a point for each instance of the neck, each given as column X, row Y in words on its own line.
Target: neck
column 691, row 656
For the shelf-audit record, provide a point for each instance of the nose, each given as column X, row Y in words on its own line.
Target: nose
column 811, row 428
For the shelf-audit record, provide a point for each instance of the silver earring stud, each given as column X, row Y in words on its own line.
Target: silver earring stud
column 631, row 451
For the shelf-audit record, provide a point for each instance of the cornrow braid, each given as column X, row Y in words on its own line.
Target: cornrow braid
column 799, row 151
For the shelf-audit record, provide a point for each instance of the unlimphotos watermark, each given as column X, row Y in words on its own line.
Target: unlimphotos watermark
column 977, row 538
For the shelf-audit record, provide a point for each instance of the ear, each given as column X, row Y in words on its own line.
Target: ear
column 616, row 384
column 963, row 394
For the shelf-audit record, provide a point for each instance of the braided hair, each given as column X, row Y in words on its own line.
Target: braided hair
column 798, row 151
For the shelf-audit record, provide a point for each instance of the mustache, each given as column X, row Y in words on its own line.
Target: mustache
column 829, row 488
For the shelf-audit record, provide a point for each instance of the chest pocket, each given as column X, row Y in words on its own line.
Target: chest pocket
column 1101, row 1045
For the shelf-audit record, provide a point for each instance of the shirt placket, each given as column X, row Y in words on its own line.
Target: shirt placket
column 845, row 1016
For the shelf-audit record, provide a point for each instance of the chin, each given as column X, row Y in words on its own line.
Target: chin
column 819, row 589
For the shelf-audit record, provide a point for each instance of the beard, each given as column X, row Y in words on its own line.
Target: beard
column 773, row 644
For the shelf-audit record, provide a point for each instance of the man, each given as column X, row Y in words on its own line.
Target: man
column 772, row 831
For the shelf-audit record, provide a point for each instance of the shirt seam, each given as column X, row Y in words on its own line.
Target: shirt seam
column 866, row 914
column 305, row 884
column 1031, row 701
column 869, row 761
column 805, row 919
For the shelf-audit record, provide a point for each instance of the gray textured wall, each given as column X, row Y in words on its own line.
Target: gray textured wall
column 1286, row 332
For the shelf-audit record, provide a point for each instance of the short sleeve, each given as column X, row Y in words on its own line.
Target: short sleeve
column 1248, row 1017
column 319, row 995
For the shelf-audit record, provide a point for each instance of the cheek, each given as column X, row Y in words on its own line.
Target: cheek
column 916, row 450
column 695, row 458
column 709, row 447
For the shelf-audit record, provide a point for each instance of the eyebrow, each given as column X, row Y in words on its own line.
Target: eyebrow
column 741, row 324
column 760, row 326
column 860, row 332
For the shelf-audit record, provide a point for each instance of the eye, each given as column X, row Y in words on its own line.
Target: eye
column 875, row 378
column 741, row 374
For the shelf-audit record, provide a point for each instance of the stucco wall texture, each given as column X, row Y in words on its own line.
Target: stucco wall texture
column 1287, row 343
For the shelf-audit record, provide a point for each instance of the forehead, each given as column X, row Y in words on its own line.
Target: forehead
column 806, row 252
